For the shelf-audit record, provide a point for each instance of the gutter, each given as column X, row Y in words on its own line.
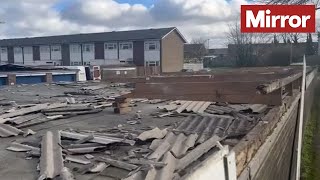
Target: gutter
column 303, row 87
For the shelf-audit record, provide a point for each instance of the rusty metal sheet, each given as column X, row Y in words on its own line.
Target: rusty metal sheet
column 51, row 161
column 97, row 139
column 7, row 130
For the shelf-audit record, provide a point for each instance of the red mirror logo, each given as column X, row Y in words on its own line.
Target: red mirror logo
column 278, row 18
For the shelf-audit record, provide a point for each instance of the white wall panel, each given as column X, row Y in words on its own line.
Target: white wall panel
column 75, row 53
column 44, row 53
column 18, row 56
column 4, row 54
column 125, row 52
column 152, row 51
column 152, row 55
column 111, row 51
column 87, row 52
column 55, row 52
column 28, row 54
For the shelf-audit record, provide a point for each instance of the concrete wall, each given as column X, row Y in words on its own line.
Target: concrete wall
column 172, row 53
column 193, row 66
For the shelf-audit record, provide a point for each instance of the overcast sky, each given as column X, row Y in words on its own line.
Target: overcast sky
column 194, row 18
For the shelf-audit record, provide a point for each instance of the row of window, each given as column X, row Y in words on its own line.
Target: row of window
column 148, row 46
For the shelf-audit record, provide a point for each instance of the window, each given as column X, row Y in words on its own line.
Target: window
column 110, row 46
column 152, row 63
column 125, row 46
column 87, row 48
column 17, row 50
column 44, row 49
column 76, row 63
column 151, row 46
column 55, row 48
column 3, row 50
column 86, row 63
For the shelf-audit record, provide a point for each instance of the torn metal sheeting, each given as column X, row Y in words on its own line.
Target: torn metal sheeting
column 7, row 131
column 18, row 147
column 39, row 121
column 22, row 119
column 102, row 140
column 84, row 149
column 88, row 156
column 23, row 111
column 51, row 161
column 98, row 167
column 28, row 133
column 117, row 163
column 193, row 106
column 160, row 151
column 66, row 174
column 197, row 152
column 78, row 160
column 167, row 172
column 205, row 126
column 155, row 133
column 147, row 162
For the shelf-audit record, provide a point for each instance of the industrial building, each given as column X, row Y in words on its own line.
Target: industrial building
column 149, row 47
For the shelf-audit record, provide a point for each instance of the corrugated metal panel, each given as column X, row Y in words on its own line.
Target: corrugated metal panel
column 192, row 106
column 51, row 161
column 23, row 119
column 29, row 79
column 3, row 81
column 64, row 77
column 17, row 147
column 7, row 131
column 96, row 139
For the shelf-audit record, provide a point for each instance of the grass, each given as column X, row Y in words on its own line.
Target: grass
column 311, row 154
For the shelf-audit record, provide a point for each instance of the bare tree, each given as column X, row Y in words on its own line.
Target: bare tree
column 298, row 2
column 196, row 50
column 241, row 46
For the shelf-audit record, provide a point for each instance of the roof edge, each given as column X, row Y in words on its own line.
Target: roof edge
column 176, row 29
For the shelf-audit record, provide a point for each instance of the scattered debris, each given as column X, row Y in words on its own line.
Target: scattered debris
column 117, row 163
column 75, row 159
column 17, row 147
column 155, row 133
column 88, row 156
column 7, row 131
column 28, row 132
column 51, row 161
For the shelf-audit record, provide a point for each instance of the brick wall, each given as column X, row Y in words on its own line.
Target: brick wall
column 276, row 157
column 11, row 80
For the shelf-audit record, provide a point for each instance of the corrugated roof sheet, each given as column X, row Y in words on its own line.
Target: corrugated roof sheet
column 51, row 161
column 97, row 139
column 192, row 106
column 7, row 130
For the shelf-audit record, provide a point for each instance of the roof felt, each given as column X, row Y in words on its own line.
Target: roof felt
column 91, row 37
